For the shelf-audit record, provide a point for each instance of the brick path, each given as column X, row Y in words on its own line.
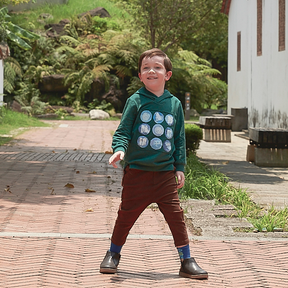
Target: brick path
column 56, row 236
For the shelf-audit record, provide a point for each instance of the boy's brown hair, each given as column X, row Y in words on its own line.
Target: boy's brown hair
column 155, row 52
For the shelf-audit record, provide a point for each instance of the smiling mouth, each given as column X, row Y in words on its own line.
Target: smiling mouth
column 152, row 78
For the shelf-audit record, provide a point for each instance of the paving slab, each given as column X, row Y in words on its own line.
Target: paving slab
column 58, row 204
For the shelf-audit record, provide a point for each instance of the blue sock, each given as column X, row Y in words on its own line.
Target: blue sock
column 184, row 252
column 115, row 248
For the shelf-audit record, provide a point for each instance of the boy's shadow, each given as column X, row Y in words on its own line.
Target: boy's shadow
column 122, row 275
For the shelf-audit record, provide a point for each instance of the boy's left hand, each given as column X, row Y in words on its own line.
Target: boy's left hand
column 181, row 179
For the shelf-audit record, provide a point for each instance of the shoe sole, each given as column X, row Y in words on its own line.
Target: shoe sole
column 108, row 271
column 200, row 276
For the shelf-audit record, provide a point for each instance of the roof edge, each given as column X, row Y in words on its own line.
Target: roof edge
column 226, row 6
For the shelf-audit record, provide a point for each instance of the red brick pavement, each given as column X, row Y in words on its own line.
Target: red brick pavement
column 55, row 236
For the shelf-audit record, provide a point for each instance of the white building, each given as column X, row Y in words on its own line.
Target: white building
column 258, row 60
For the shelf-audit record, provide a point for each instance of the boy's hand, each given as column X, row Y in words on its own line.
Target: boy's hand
column 180, row 179
column 119, row 155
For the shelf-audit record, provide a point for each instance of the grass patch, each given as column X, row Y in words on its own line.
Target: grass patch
column 204, row 182
column 64, row 11
column 11, row 121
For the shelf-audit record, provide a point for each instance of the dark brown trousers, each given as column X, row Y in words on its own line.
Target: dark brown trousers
column 140, row 189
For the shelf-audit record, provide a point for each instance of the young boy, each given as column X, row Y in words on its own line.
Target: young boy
column 151, row 141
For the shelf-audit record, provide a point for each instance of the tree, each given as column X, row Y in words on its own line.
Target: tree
column 169, row 23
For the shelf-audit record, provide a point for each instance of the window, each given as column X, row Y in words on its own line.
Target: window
column 259, row 27
column 282, row 25
column 238, row 51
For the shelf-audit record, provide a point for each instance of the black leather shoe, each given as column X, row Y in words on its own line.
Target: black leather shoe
column 190, row 269
column 110, row 263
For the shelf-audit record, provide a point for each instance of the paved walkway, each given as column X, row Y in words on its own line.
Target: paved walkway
column 59, row 200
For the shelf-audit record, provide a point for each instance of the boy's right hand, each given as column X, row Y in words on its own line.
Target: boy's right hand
column 117, row 156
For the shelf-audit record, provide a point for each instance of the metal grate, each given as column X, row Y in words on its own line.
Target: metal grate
column 66, row 156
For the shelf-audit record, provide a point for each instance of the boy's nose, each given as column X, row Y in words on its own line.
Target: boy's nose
column 151, row 71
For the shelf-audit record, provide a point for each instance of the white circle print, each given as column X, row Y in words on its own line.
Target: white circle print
column 169, row 119
column 144, row 129
column 158, row 117
column 156, row 143
column 146, row 116
column 167, row 146
column 169, row 133
column 142, row 141
column 158, row 130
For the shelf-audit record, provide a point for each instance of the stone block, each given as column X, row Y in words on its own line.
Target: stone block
column 250, row 156
column 217, row 135
column 215, row 122
column 271, row 157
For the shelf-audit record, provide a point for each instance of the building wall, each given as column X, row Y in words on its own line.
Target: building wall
column 262, row 83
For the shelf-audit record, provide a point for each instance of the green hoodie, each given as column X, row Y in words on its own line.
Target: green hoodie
column 151, row 132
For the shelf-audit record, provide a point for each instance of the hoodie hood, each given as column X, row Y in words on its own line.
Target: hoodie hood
column 144, row 92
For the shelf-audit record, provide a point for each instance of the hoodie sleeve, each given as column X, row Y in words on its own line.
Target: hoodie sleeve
column 179, row 141
column 123, row 134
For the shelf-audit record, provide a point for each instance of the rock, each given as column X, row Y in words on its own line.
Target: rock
column 194, row 113
column 52, row 83
column 16, row 106
column 4, row 50
column 99, row 11
column 55, row 30
column 98, row 114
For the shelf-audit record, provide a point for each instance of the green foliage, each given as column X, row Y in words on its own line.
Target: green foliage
column 195, row 75
column 16, row 34
column 12, row 69
column 271, row 219
column 13, row 2
column 60, row 12
column 28, row 98
column 111, row 58
column 210, row 41
column 168, row 23
column 194, row 135
column 101, row 25
column 95, row 104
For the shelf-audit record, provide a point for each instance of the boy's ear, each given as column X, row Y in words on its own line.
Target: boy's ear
column 168, row 75
column 139, row 75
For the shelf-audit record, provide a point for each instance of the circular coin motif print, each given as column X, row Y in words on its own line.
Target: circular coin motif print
column 167, row 146
column 169, row 119
column 158, row 117
column 169, row 133
column 156, row 143
column 144, row 129
column 158, row 130
column 146, row 116
column 142, row 141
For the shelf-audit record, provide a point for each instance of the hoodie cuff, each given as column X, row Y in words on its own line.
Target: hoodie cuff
column 180, row 167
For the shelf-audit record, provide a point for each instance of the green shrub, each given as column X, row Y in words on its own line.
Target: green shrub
column 194, row 135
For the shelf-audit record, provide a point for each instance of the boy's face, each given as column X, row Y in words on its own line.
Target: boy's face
column 153, row 74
